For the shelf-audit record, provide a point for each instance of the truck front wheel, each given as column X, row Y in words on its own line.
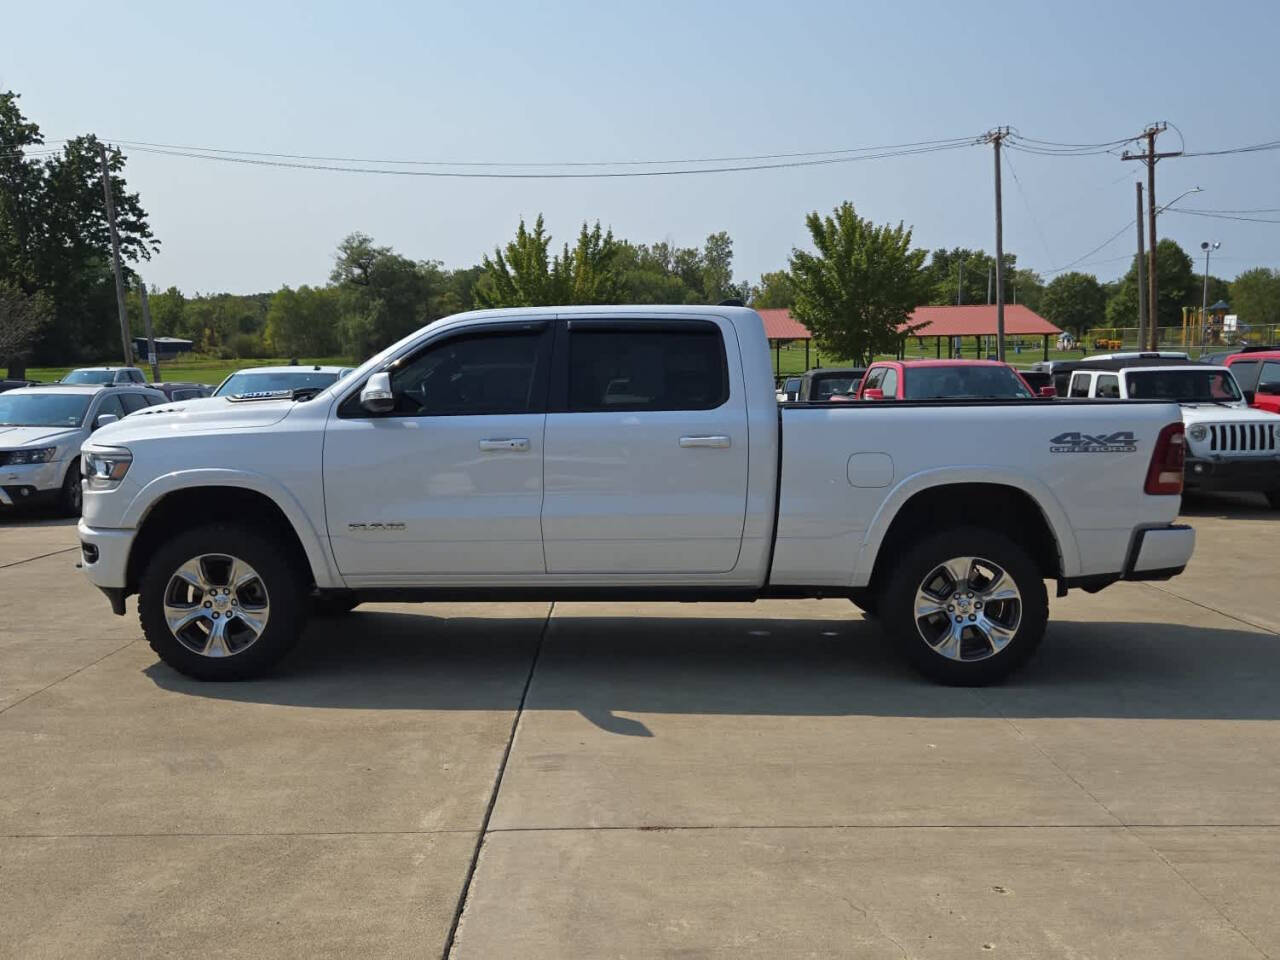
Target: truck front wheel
column 967, row 606
column 221, row 602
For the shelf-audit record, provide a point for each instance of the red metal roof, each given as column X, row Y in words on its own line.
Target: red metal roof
column 949, row 321
column 780, row 325
column 975, row 319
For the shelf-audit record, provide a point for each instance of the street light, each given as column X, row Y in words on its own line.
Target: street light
column 1185, row 193
column 1208, row 247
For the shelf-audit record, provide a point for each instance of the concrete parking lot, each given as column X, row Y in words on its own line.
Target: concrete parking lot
column 667, row 780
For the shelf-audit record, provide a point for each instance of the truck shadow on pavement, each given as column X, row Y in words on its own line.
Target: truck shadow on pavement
column 603, row 666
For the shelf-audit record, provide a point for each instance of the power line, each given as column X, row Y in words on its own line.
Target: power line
column 1252, row 148
column 1030, row 213
column 461, row 174
column 1224, row 216
column 944, row 143
column 1104, row 244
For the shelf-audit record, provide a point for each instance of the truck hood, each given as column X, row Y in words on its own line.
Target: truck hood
column 1216, row 413
column 194, row 416
column 12, row 437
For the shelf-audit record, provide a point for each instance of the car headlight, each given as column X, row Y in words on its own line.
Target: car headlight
column 1198, row 432
column 104, row 468
column 41, row 455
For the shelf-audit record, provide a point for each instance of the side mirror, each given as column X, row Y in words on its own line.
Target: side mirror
column 1048, row 392
column 102, row 419
column 376, row 396
column 874, row 393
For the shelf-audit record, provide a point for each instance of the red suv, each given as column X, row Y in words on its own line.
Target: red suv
column 1258, row 374
column 942, row 380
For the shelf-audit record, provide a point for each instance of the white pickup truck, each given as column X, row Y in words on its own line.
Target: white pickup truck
column 619, row 452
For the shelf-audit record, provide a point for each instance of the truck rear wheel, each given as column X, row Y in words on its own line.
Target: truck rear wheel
column 221, row 602
column 967, row 606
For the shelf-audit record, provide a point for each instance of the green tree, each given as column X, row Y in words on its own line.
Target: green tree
column 54, row 238
column 856, row 292
column 523, row 275
column 1074, row 301
column 589, row 269
column 717, row 268
column 384, row 296
column 303, row 322
column 1255, row 296
column 1176, row 287
column 22, row 317
column 774, row 290
column 970, row 275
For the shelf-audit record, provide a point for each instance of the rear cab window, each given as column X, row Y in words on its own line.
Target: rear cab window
column 663, row 365
column 1080, row 385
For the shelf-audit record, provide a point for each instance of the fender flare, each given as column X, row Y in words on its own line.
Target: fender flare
column 1043, row 497
column 313, row 544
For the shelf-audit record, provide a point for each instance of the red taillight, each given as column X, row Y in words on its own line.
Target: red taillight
column 1164, row 476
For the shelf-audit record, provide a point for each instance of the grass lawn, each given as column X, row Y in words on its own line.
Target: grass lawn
column 196, row 369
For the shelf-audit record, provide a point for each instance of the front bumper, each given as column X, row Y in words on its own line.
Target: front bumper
column 30, row 482
column 1239, row 474
column 104, row 556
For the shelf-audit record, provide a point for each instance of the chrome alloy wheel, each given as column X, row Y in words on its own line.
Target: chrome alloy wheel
column 967, row 609
column 216, row 605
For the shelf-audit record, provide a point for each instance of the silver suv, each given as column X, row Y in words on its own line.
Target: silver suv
column 41, row 429
column 106, row 376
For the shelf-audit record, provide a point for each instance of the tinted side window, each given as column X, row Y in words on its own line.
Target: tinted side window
column 890, row 383
column 133, row 402
column 1246, row 372
column 1080, row 385
column 486, row 373
column 137, row 376
column 632, row 369
column 1108, row 386
column 110, row 404
column 1270, row 372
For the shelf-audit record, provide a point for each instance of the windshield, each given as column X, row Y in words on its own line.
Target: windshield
column 827, row 387
column 1183, row 386
column 43, row 409
column 90, row 376
column 247, row 381
column 938, row 383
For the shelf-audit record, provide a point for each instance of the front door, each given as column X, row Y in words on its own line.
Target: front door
column 646, row 449
column 448, row 485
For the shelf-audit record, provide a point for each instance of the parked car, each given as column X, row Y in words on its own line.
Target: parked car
column 1040, row 381
column 1258, row 373
column 789, row 391
column 277, row 379
column 1061, row 370
column 183, row 391
column 1221, row 356
column 425, row 475
column 105, row 376
column 823, row 384
column 1229, row 446
column 943, row 380
column 41, row 430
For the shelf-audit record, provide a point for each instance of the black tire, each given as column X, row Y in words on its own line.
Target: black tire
column 70, row 497
column 333, row 605
column 974, row 663
column 866, row 600
column 277, row 574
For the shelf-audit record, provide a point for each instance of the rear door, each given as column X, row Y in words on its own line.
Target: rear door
column 646, row 448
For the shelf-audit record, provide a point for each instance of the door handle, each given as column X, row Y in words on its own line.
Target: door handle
column 513, row 443
column 719, row 442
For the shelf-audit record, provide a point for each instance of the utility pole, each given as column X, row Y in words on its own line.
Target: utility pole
column 151, row 339
column 994, row 138
column 1142, row 277
column 989, row 269
column 1150, row 158
column 115, row 255
column 960, row 284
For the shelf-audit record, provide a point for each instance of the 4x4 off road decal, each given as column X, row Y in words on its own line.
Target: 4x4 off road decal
column 1122, row 441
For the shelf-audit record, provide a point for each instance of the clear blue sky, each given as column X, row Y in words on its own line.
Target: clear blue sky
column 517, row 81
